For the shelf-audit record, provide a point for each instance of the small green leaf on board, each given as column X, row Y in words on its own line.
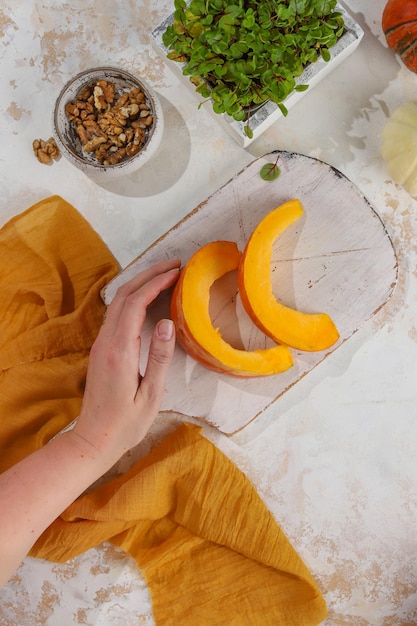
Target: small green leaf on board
column 270, row 171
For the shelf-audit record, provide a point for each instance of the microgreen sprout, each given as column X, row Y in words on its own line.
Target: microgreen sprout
column 270, row 171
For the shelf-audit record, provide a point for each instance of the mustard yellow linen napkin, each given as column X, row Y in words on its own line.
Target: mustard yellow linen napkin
column 209, row 549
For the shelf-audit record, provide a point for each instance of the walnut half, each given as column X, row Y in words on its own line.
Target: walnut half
column 46, row 151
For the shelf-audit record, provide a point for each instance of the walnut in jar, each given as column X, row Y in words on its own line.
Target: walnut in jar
column 111, row 126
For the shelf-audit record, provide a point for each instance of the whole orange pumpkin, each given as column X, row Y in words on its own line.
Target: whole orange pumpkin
column 399, row 23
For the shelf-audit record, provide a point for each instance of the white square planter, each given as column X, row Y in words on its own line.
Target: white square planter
column 270, row 112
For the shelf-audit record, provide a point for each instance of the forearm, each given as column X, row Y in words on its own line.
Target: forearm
column 119, row 406
column 35, row 491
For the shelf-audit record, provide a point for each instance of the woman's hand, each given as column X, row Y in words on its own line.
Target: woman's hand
column 119, row 404
column 117, row 411
column 118, row 408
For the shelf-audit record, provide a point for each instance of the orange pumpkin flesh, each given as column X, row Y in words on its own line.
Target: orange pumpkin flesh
column 195, row 331
column 399, row 23
column 303, row 331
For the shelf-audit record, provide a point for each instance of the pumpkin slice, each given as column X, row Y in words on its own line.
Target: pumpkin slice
column 303, row 331
column 195, row 331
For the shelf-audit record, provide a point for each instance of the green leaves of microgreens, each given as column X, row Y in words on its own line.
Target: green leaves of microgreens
column 244, row 52
column 270, row 171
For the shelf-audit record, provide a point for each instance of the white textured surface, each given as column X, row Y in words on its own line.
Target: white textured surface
column 336, row 258
column 336, row 462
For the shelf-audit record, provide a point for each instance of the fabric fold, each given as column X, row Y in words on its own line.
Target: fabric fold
column 204, row 540
column 52, row 268
column 210, row 550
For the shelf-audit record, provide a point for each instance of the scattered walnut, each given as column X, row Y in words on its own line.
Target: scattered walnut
column 46, row 151
column 111, row 126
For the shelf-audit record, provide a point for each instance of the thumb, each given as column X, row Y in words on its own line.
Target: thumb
column 161, row 351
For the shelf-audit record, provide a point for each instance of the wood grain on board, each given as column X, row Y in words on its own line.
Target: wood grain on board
column 338, row 258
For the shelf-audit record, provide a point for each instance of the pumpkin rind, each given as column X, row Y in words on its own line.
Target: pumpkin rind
column 195, row 331
column 399, row 23
column 303, row 331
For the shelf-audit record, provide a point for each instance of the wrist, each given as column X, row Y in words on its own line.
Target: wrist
column 92, row 460
column 100, row 452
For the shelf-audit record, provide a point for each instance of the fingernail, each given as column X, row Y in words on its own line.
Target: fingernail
column 165, row 329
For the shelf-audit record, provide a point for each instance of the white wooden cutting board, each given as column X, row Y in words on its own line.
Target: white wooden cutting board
column 338, row 258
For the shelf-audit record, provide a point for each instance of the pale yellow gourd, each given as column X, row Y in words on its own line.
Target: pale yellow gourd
column 399, row 146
